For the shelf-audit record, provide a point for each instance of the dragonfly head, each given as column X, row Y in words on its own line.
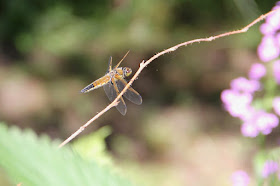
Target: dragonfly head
column 127, row 71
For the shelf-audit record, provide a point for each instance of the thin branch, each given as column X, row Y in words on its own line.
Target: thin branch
column 144, row 64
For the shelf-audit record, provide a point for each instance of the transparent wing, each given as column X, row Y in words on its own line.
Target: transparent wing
column 131, row 94
column 110, row 64
column 112, row 92
column 121, row 60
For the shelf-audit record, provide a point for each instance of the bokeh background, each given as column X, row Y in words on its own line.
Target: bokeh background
column 180, row 135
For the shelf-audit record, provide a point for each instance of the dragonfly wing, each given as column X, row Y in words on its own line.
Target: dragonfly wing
column 110, row 64
column 112, row 93
column 121, row 60
column 131, row 94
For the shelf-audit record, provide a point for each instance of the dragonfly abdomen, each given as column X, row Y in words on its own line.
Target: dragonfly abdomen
column 88, row 88
column 96, row 84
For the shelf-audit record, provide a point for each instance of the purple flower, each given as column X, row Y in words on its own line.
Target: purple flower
column 265, row 122
column 277, row 38
column 258, row 122
column 249, row 130
column 267, row 29
column 230, row 97
column 270, row 167
column 238, row 100
column 276, row 105
column 249, row 115
column 272, row 24
column 237, row 104
column 268, row 48
column 245, row 85
column 273, row 19
column 257, row 71
column 276, row 71
column 240, row 178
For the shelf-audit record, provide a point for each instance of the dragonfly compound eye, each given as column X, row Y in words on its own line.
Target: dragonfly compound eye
column 127, row 71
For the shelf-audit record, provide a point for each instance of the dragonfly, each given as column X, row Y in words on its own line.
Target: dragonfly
column 113, row 83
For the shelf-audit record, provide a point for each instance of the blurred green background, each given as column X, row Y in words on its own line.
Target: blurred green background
column 50, row 50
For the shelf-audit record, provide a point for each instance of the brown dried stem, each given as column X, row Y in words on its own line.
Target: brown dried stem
column 143, row 64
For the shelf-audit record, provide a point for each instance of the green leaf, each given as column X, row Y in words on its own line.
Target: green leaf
column 34, row 161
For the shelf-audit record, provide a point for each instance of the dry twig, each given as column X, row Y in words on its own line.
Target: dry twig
column 143, row 64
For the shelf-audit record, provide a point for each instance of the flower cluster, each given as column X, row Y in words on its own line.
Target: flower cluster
column 240, row 178
column 269, row 47
column 270, row 167
column 238, row 102
column 258, row 111
column 239, row 99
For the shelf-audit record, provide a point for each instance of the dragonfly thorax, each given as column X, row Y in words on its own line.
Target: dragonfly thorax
column 121, row 72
